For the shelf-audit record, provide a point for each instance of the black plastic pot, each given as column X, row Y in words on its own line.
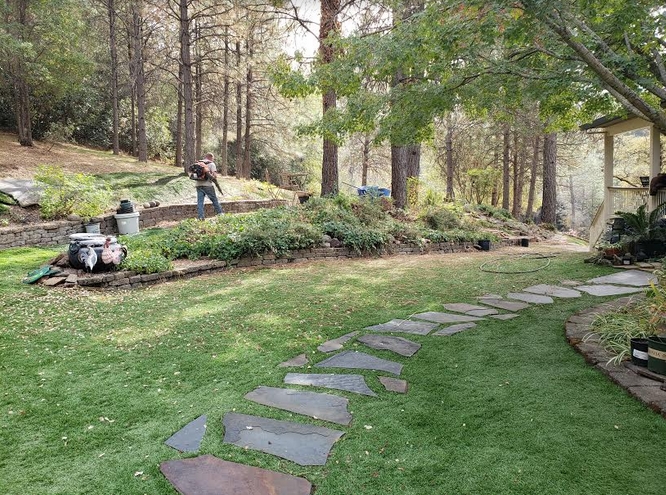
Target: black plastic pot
column 639, row 351
column 126, row 206
column 651, row 249
column 657, row 354
column 484, row 244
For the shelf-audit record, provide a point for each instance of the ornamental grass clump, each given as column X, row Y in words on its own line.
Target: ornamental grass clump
column 641, row 319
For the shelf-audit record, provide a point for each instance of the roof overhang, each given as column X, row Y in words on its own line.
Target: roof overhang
column 612, row 125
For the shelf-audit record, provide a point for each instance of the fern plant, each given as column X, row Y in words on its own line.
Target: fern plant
column 643, row 226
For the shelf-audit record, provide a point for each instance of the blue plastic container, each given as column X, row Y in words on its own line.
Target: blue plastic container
column 373, row 191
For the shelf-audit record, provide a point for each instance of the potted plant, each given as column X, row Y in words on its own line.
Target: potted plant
column 611, row 250
column 645, row 230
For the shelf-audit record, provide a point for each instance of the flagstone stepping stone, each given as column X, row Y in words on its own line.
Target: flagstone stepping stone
column 553, row 290
column 361, row 361
column 404, row 326
column 327, row 407
column 394, row 384
column 455, row 328
column 504, row 304
column 505, row 316
column 445, row 317
column 336, row 344
column 303, row 444
column 299, row 360
column 570, row 283
column 462, row 307
column 398, row 345
column 482, row 312
column 530, row 298
column 188, row 438
column 208, row 475
column 348, row 383
column 637, row 278
column 609, row 290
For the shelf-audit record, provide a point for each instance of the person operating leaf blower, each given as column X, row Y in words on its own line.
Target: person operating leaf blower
column 204, row 172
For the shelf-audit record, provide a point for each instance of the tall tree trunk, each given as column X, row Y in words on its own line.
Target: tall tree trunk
column 366, row 160
column 506, row 173
column 198, row 92
column 22, row 97
column 549, row 207
column 186, row 63
column 398, row 176
column 573, row 202
column 239, row 115
column 113, row 52
column 179, row 120
column 450, row 193
column 328, row 27
column 494, row 196
column 517, row 177
column 137, row 40
column 534, row 166
column 132, row 89
column 248, row 112
column 413, row 170
column 20, row 84
column 224, row 152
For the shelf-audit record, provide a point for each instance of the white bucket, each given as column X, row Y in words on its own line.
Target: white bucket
column 128, row 223
column 92, row 228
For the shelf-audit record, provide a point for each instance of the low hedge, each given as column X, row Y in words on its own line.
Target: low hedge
column 361, row 224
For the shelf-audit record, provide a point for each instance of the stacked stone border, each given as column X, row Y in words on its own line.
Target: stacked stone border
column 130, row 280
column 647, row 387
column 58, row 232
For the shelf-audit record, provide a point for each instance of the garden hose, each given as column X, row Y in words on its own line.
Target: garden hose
column 536, row 256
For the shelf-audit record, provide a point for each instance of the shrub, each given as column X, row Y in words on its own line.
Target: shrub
column 65, row 194
column 494, row 212
column 439, row 218
column 146, row 260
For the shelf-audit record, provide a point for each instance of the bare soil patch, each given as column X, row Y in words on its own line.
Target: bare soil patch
column 21, row 162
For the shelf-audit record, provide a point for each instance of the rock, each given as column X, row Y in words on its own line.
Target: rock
column 73, row 218
column 335, row 243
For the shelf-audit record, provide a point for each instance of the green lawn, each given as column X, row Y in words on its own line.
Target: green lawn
column 92, row 383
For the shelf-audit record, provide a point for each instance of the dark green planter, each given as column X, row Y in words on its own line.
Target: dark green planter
column 657, row 354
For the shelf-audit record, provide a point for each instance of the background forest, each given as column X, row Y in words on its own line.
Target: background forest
column 475, row 101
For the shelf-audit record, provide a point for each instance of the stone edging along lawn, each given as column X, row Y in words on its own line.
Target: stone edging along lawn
column 640, row 383
column 128, row 279
column 58, row 232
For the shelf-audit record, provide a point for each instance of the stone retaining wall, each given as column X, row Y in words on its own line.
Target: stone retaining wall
column 54, row 233
column 127, row 280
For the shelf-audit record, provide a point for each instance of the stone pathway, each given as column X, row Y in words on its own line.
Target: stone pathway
column 308, row 445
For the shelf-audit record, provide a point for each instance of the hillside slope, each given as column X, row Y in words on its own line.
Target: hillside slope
column 127, row 177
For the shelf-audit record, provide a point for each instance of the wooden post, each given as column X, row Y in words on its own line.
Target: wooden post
column 608, row 177
column 655, row 162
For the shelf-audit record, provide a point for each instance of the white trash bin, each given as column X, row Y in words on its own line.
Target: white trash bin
column 128, row 223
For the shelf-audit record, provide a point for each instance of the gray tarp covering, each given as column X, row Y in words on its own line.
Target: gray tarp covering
column 24, row 191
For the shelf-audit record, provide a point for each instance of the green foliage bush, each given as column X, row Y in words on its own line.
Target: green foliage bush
column 495, row 212
column 361, row 224
column 65, row 194
column 146, row 260
column 441, row 218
